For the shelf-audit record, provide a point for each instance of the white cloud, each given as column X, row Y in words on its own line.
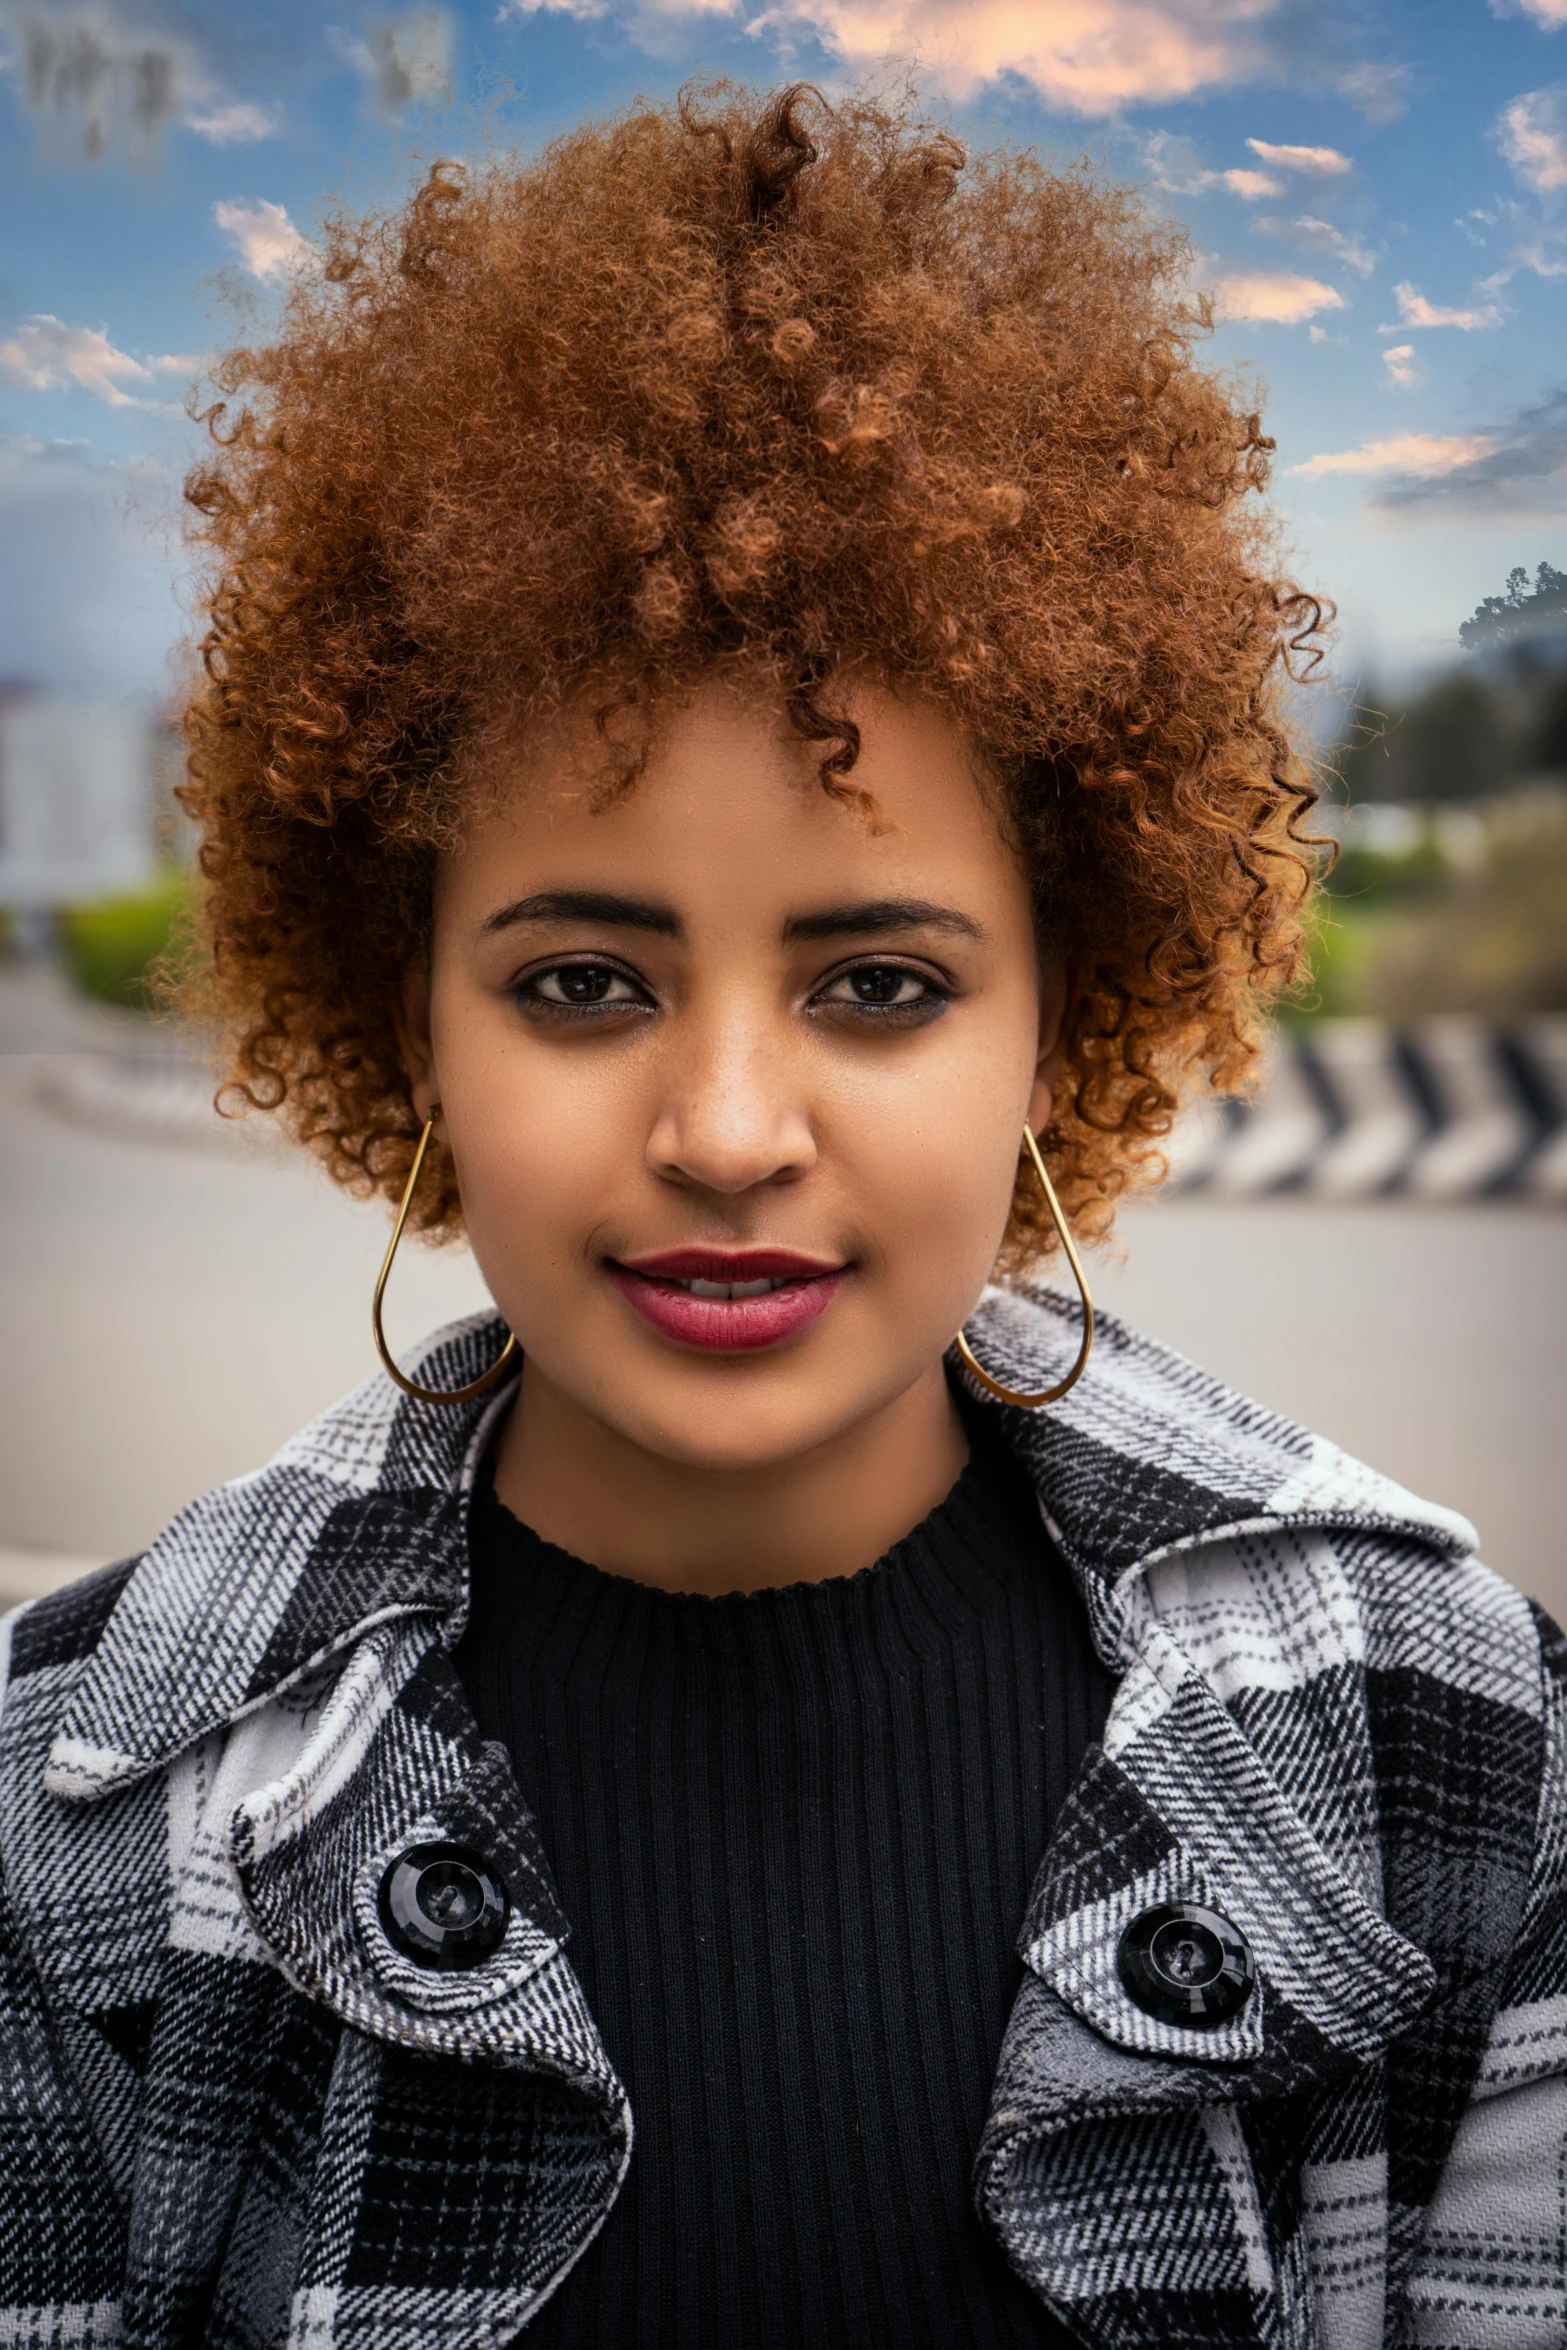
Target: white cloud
column 1318, row 162
column 1349, row 250
column 1521, row 468
column 1532, row 134
column 1176, row 164
column 408, row 60
column 1277, row 295
column 267, row 241
column 1322, row 237
column 1402, row 366
column 1415, row 310
column 1545, row 254
column 46, row 355
column 1087, row 57
column 24, row 457
column 1380, row 91
column 98, row 83
column 1425, row 453
column 233, row 122
column 1551, row 14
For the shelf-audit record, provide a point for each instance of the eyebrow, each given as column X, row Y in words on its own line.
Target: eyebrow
column 585, row 905
column 864, row 918
column 877, row 914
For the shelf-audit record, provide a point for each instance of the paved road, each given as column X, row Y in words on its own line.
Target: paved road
column 174, row 1311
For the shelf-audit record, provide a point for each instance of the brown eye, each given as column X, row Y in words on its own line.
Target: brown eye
column 580, row 987
column 577, row 983
column 879, row 983
column 883, row 987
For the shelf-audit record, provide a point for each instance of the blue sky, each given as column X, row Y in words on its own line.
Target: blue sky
column 1378, row 200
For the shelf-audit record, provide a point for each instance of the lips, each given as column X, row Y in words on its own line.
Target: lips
column 727, row 1301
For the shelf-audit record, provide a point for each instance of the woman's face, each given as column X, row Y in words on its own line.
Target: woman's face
column 735, row 1082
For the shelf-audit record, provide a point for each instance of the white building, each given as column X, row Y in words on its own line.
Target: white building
column 76, row 802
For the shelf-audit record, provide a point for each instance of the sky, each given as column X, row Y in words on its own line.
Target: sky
column 1377, row 199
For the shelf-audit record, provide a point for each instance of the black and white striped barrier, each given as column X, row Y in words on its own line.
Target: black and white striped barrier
column 1448, row 1108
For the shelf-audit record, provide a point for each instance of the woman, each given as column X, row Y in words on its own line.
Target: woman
column 739, row 766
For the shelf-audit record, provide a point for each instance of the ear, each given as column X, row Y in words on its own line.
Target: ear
column 1057, row 997
column 411, row 1019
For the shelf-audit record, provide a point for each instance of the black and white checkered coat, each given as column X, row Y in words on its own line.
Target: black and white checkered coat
column 231, row 2114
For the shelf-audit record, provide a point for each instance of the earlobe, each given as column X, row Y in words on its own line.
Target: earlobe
column 411, row 1019
column 1056, row 996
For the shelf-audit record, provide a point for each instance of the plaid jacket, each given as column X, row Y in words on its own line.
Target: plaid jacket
column 231, row 2114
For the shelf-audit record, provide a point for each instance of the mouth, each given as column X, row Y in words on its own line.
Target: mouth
column 727, row 1301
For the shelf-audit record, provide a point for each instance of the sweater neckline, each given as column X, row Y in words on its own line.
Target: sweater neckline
column 975, row 1525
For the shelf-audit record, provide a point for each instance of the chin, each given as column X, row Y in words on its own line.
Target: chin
column 733, row 1433
column 728, row 1418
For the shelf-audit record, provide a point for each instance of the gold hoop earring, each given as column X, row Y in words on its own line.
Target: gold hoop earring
column 1013, row 1395
column 411, row 1386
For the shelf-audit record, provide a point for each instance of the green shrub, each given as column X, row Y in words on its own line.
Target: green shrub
column 1364, row 875
column 1448, row 927
column 113, row 947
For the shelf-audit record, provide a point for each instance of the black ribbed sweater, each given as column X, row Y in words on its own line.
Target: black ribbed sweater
column 795, row 1834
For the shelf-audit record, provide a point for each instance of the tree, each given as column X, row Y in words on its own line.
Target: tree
column 1521, row 616
column 1453, row 745
column 1547, row 745
column 1447, row 743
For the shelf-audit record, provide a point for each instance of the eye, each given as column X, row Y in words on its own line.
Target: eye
column 882, row 988
column 565, row 988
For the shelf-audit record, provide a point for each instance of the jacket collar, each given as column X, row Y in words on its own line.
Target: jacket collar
column 362, row 1519
column 1149, row 1455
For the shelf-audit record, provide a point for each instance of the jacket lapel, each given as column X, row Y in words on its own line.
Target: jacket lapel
column 1122, row 2164
column 1130, row 2165
column 449, row 2198
column 279, row 1658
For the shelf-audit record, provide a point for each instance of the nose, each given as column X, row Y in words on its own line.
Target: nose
column 732, row 1116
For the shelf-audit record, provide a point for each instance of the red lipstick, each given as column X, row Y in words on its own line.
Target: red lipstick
column 726, row 1300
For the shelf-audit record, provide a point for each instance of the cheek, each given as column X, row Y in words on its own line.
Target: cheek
column 929, row 1155
column 543, row 1140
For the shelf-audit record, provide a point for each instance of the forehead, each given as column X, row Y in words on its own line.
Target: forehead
column 729, row 811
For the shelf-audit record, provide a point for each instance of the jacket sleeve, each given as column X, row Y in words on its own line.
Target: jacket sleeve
column 1491, row 2272
column 62, row 2233
column 62, row 2252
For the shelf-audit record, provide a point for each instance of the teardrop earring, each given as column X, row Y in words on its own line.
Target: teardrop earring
column 509, row 1352
column 1013, row 1395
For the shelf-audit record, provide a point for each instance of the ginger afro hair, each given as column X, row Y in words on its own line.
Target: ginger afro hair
column 766, row 382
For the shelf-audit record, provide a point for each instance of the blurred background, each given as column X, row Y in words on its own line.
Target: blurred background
column 1378, row 1243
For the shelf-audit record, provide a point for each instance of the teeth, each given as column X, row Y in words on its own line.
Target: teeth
column 728, row 1289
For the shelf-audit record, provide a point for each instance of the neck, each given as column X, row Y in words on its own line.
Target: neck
column 592, row 1491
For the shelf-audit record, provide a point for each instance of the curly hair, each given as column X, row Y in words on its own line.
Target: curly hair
column 763, row 382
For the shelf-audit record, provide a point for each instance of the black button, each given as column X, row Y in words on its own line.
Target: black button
column 1186, row 1965
column 442, row 1906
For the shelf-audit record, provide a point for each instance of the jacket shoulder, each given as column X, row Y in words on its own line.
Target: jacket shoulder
column 63, row 1628
column 1448, row 1621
